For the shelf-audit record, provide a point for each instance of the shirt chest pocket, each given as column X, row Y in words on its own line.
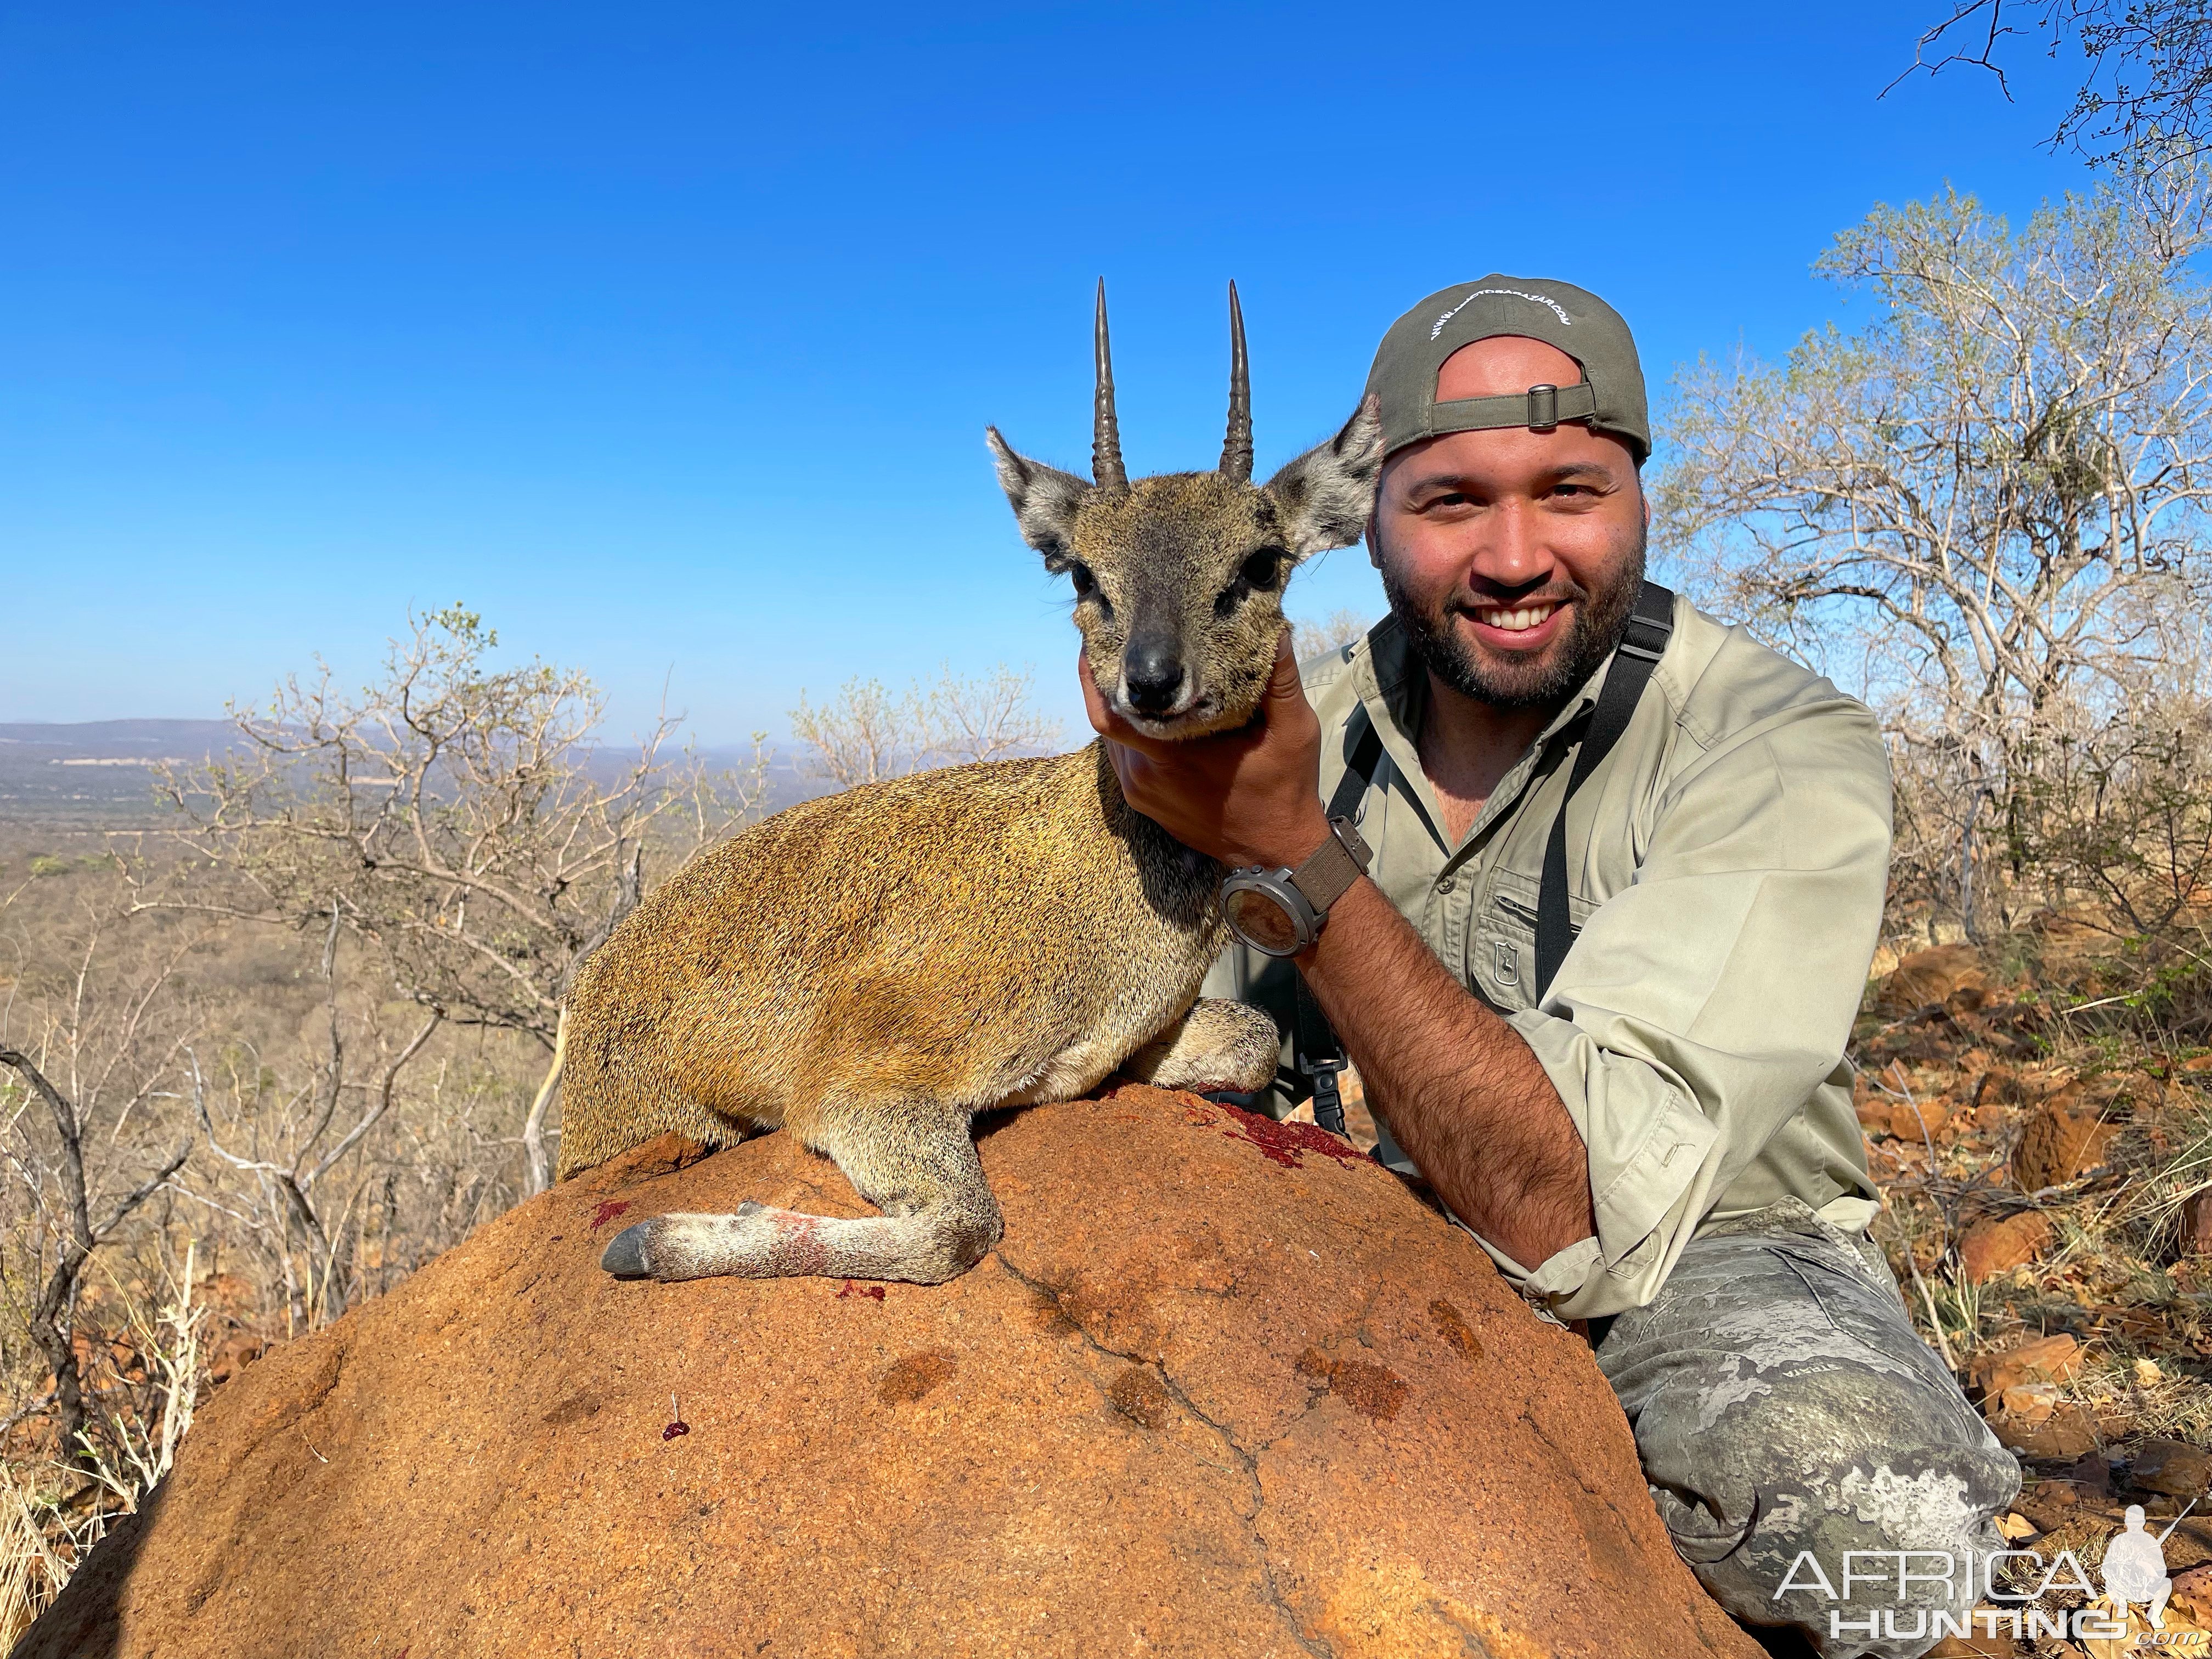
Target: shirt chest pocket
column 1503, row 968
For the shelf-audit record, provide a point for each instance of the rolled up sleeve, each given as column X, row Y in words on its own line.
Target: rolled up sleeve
column 1701, row 1006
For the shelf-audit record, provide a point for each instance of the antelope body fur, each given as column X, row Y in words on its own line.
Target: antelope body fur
column 869, row 970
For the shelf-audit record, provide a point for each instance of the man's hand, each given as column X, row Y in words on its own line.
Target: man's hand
column 1466, row 1096
column 1252, row 796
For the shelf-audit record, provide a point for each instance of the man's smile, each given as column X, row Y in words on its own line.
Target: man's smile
column 1523, row 626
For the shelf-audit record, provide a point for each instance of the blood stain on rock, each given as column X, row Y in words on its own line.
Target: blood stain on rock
column 1139, row 1395
column 914, row 1376
column 607, row 1211
column 1452, row 1326
column 1287, row 1143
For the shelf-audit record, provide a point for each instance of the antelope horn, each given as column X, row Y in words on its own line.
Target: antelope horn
column 1106, row 469
column 1236, row 450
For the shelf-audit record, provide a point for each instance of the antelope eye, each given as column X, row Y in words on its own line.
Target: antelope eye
column 1079, row 573
column 1263, row 567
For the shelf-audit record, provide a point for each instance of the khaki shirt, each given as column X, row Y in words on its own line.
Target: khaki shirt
column 1726, row 864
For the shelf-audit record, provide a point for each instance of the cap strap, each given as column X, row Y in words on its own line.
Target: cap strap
column 1540, row 408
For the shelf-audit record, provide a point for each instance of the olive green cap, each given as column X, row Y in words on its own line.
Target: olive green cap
column 1610, row 398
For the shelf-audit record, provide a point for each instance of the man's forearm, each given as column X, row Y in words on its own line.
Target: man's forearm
column 1465, row 1095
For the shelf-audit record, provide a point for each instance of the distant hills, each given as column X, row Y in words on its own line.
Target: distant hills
column 95, row 775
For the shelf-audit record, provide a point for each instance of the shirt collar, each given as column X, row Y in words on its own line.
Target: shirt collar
column 1393, row 682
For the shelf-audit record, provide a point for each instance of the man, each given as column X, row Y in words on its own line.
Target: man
column 1661, row 1140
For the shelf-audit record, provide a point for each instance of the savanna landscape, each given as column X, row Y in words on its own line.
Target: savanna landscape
column 281, row 984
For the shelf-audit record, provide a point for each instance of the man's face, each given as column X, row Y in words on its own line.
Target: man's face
column 1511, row 557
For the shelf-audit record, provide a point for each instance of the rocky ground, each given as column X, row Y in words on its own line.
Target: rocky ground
column 2045, row 1149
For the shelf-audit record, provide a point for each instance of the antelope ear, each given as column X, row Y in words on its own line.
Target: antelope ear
column 1327, row 493
column 1045, row 500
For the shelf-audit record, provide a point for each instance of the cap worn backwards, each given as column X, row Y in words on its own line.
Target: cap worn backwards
column 1610, row 398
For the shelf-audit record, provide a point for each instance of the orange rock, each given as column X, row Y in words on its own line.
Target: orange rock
column 2002, row 1086
column 1219, row 1391
column 2196, row 1224
column 1900, row 1119
column 1934, row 975
column 2060, row 1141
column 2067, row 1433
column 2045, row 1359
column 2172, row 1466
column 2030, row 1403
column 1994, row 1246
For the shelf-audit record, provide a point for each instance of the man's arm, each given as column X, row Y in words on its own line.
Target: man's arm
column 1469, row 1100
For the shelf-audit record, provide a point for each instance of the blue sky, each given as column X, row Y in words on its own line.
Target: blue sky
column 665, row 335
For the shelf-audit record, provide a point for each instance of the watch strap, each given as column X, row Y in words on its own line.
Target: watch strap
column 1338, row 862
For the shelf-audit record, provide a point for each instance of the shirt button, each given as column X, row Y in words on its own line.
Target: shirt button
column 1445, row 883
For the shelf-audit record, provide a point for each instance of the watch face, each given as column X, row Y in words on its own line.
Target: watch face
column 1262, row 922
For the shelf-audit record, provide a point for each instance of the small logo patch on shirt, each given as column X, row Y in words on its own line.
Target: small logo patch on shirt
column 1509, row 963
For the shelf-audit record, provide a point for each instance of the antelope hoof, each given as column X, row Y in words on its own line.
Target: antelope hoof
column 625, row 1254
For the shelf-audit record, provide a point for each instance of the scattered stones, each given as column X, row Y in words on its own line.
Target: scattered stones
column 2172, row 1466
column 1997, row 1245
column 1935, row 975
column 2068, row 1433
column 2030, row 1403
column 2045, row 1359
column 1905, row 1120
column 2002, row 1086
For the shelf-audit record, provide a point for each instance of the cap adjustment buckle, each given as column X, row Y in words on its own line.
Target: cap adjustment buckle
column 1543, row 407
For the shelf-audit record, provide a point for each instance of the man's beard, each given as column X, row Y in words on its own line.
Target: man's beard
column 1597, row 621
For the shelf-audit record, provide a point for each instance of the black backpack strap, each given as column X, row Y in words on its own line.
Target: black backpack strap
column 1359, row 771
column 1649, row 627
column 1320, row 1056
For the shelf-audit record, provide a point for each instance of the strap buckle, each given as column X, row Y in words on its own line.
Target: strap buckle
column 1629, row 648
column 1327, row 1100
column 1543, row 407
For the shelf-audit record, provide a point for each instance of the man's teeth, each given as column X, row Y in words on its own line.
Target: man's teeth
column 1518, row 622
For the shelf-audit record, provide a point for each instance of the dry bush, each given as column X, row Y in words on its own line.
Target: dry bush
column 866, row 732
column 292, row 1046
column 1309, row 637
column 454, row 820
column 1984, row 511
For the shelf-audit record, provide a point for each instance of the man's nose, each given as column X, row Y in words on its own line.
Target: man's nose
column 1511, row 553
column 1152, row 674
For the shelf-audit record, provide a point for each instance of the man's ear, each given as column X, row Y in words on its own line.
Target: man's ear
column 1327, row 493
column 1045, row 500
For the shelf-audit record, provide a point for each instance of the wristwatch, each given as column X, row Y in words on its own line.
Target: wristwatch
column 1280, row 912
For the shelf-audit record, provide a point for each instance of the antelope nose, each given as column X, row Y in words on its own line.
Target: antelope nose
column 1151, row 675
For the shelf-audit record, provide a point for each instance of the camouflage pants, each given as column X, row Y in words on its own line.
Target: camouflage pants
column 1782, row 1403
